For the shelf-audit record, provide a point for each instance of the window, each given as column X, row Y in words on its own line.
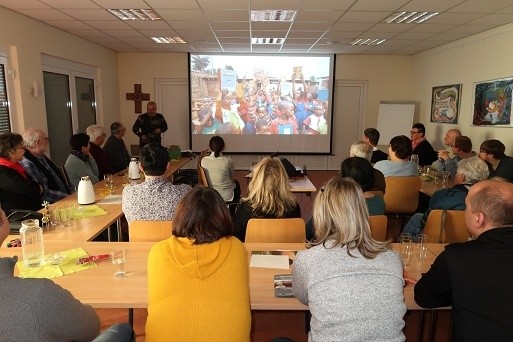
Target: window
column 5, row 122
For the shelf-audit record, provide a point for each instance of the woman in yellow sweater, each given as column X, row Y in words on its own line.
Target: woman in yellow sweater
column 198, row 279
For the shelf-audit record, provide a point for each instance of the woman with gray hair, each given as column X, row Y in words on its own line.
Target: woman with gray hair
column 469, row 172
column 352, row 283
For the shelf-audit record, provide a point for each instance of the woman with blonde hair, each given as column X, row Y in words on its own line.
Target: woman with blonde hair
column 352, row 283
column 198, row 286
column 269, row 196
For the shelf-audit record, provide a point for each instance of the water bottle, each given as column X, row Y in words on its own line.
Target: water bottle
column 85, row 192
column 32, row 245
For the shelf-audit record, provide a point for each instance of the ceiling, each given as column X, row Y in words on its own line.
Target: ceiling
column 320, row 26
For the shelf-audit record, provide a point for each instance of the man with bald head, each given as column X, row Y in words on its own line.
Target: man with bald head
column 40, row 167
column 475, row 277
column 443, row 156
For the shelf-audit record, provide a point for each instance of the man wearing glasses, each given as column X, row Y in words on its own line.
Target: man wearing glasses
column 421, row 146
column 499, row 164
column 40, row 167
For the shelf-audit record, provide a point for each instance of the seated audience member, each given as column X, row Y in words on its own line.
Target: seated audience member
column 199, row 276
column 116, row 149
column 399, row 152
column 80, row 163
column 462, row 149
column 40, row 310
column 269, row 196
column 443, row 156
column 352, row 283
column 371, row 136
column 97, row 138
column 421, row 146
column 470, row 171
column 364, row 150
column 40, row 167
column 156, row 198
column 472, row 277
column 17, row 189
column 219, row 170
column 361, row 171
column 499, row 164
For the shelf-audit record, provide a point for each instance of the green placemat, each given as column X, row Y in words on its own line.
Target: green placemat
column 86, row 211
column 49, row 271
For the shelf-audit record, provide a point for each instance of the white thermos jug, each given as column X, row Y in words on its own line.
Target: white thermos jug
column 85, row 192
column 133, row 169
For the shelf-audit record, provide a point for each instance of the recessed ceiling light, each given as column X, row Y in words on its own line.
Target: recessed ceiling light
column 271, row 41
column 409, row 17
column 273, row 15
column 367, row 41
column 135, row 14
column 168, row 40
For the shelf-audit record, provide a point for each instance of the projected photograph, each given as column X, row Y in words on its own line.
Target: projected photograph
column 260, row 94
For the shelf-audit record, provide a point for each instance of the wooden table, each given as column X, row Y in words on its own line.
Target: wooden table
column 297, row 184
column 99, row 288
column 177, row 164
column 430, row 187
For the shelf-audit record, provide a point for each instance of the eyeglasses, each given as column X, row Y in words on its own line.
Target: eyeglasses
column 45, row 139
column 414, row 132
column 18, row 148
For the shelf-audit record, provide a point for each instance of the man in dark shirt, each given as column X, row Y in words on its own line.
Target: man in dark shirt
column 150, row 125
column 499, row 164
column 116, row 148
column 475, row 277
column 371, row 136
column 421, row 146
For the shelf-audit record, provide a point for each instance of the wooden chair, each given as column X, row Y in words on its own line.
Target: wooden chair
column 66, row 178
column 378, row 225
column 202, row 176
column 276, row 230
column 402, row 196
column 446, row 226
column 149, row 231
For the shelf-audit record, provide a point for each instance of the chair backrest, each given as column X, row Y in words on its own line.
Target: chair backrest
column 66, row 178
column 446, row 226
column 202, row 176
column 402, row 195
column 276, row 230
column 149, row 231
column 378, row 225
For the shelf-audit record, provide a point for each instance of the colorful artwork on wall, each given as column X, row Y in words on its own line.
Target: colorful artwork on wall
column 492, row 103
column 445, row 103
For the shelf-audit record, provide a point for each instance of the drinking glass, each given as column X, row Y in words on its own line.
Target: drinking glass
column 118, row 258
column 55, row 216
column 445, row 178
column 415, row 158
column 422, row 240
column 65, row 216
column 406, row 248
column 109, row 183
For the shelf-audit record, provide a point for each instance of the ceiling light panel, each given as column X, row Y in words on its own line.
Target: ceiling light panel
column 267, row 41
column 168, row 40
column 135, row 14
column 273, row 15
column 409, row 17
column 368, row 41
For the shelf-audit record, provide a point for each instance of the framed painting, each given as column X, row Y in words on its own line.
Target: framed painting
column 445, row 103
column 492, row 103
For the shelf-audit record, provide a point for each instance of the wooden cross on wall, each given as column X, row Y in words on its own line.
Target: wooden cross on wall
column 137, row 96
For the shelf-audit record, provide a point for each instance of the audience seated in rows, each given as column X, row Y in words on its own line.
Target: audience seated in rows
column 198, row 286
column 470, row 171
column 352, row 283
column 364, row 150
column 421, row 146
column 219, row 171
column 371, row 137
column 499, row 164
column 156, row 198
column 17, row 188
column 269, row 196
column 399, row 152
column 473, row 277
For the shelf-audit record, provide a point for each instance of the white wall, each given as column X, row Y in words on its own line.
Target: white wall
column 23, row 40
column 482, row 57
